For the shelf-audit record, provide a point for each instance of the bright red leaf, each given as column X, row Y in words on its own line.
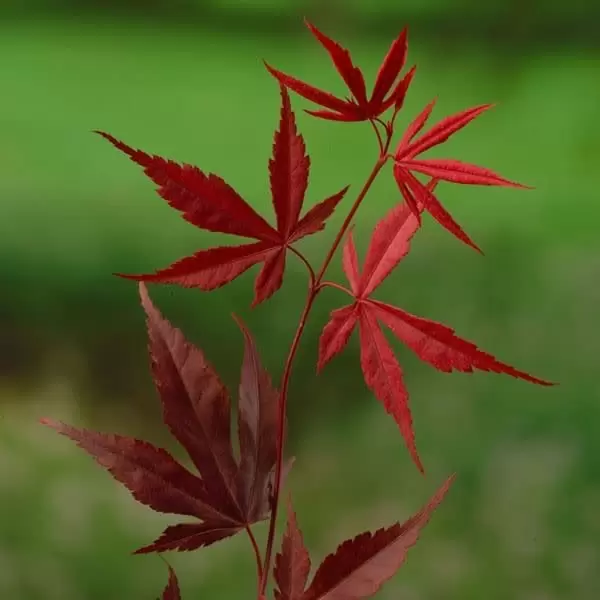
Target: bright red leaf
column 226, row 496
column 387, row 91
column 432, row 342
column 441, row 169
column 359, row 567
column 210, row 203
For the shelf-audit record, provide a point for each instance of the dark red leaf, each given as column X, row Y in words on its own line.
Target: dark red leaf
column 186, row 537
column 458, row 172
column 438, row 345
column 205, row 201
column 288, row 168
column 383, row 375
column 172, row 591
column 292, row 564
column 196, row 409
column 343, row 63
column 360, row 566
column 210, row 203
column 151, row 474
column 195, row 405
column 257, row 426
column 336, row 333
column 390, row 68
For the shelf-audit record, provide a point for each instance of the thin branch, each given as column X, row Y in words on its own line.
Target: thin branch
column 257, row 555
column 311, row 271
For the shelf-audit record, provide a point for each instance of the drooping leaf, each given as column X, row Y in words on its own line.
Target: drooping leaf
column 292, row 564
column 359, row 107
column 360, row 566
column 225, row 497
column 257, row 426
column 210, row 203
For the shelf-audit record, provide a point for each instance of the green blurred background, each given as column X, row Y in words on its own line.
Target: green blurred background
column 184, row 79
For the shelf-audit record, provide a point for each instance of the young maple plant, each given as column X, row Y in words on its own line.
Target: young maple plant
column 235, row 488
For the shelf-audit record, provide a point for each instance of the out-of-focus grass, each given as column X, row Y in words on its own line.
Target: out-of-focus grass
column 521, row 521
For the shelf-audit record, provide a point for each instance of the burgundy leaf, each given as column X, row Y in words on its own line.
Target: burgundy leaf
column 391, row 66
column 257, row 426
column 195, row 405
column 190, row 536
column 438, row 345
column 383, row 375
column 288, row 168
column 292, row 564
column 206, row 201
column 151, row 474
column 360, row 566
column 336, row 333
column 172, row 591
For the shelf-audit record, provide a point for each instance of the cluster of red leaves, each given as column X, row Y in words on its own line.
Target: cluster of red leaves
column 227, row 495
column 231, row 492
column 209, row 203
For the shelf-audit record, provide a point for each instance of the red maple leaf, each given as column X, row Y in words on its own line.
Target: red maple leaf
column 210, row 203
column 432, row 342
column 226, row 497
column 358, row 107
column 172, row 591
column 440, row 169
column 358, row 568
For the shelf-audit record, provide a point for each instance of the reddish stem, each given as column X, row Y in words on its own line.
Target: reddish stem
column 256, row 550
column 315, row 288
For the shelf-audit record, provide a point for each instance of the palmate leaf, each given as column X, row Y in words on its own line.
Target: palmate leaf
column 359, row 566
column 209, row 203
column 432, row 342
column 226, row 496
column 405, row 163
column 387, row 91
